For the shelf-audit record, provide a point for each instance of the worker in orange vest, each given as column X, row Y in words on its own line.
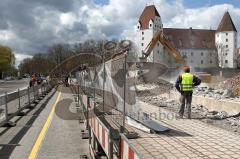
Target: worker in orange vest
column 185, row 84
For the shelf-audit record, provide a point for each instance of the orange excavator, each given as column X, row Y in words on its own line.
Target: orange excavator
column 158, row 36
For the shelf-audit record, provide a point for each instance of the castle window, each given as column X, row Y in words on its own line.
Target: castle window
column 210, row 61
column 226, row 46
column 226, row 40
column 158, row 44
column 142, row 38
column 191, row 53
column 226, row 61
column 138, row 27
column 210, row 54
column 201, row 61
column 180, row 42
column 150, row 25
column 143, row 33
column 226, row 34
column 142, row 44
column 158, row 52
column 201, row 53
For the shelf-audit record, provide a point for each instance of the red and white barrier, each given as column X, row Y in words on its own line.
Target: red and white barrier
column 85, row 100
column 126, row 151
column 101, row 132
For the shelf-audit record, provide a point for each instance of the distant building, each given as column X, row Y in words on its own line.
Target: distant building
column 201, row 48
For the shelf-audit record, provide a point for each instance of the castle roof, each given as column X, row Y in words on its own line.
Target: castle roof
column 149, row 13
column 191, row 38
column 226, row 23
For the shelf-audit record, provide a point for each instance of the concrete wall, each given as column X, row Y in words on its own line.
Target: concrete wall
column 231, row 107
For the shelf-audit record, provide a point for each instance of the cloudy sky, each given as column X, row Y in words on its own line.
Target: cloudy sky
column 30, row 26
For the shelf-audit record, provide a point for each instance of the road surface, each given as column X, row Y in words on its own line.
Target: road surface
column 9, row 86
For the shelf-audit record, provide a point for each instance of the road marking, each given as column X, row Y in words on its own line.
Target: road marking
column 43, row 132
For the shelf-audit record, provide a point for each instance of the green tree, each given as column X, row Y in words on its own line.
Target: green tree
column 7, row 59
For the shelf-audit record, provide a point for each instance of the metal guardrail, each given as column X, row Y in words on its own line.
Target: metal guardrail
column 12, row 104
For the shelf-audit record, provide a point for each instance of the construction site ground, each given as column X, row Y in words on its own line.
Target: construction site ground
column 186, row 138
column 216, row 118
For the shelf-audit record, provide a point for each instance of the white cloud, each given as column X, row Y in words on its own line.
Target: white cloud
column 19, row 57
column 36, row 25
column 6, row 35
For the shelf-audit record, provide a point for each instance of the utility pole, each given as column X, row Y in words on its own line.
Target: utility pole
column 104, row 76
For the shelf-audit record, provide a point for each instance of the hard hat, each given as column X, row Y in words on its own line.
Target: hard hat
column 186, row 69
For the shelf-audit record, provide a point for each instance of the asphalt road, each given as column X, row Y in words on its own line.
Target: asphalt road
column 9, row 86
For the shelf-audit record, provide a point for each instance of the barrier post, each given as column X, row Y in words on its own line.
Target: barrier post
column 29, row 100
column 34, row 93
column 104, row 76
column 19, row 104
column 19, row 100
column 6, row 106
column 78, row 92
column 124, row 92
column 110, row 148
column 8, row 122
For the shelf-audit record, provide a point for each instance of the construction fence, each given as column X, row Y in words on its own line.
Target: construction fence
column 12, row 104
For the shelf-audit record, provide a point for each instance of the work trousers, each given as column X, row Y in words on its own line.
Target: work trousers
column 186, row 100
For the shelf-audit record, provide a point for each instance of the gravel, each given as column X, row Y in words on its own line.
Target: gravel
column 199, row 112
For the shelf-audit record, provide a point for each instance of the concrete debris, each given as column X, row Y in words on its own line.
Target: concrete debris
column 218, row 94
column 228, row 93
column 216, row 118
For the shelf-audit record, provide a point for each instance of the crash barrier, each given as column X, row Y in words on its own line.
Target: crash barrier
column 12, row 104
column 100, row 131
column 97, row 128
column 127, row 151
column 102, row 134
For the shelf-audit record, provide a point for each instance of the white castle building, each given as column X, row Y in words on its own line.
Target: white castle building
column 201, row 48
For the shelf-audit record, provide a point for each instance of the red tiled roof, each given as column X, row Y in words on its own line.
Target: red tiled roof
column 191, row 38
column 148, row 14
column 226, row 24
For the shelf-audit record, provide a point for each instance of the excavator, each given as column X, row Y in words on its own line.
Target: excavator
column 158, row 36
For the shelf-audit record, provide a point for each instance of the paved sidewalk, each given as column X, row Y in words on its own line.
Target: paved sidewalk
column 63, row 136
column 186, row 139
column 63, row 139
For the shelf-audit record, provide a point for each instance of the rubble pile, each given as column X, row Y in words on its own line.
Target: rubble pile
column 226, row 94
column 198, row 111
column 150, row 93
column 221, row 118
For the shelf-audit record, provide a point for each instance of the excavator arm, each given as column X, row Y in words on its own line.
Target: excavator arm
column 167, row 44
column 205, row 77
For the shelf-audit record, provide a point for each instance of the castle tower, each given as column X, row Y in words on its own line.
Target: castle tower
column 226, row 42
column 149, row 23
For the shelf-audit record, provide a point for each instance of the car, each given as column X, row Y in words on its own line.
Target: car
column 10, row 78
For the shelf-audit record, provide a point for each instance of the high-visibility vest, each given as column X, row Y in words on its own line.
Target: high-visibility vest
column 187, row 82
